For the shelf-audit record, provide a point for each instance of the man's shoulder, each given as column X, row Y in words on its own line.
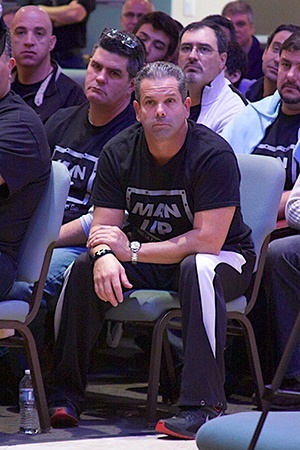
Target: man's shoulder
column 69, row 114
column 12, row 105
column 256, row 90
column 204, row 137
column 127, row 136
column 66, row 82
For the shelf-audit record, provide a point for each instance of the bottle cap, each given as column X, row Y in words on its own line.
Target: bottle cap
column 27, row 371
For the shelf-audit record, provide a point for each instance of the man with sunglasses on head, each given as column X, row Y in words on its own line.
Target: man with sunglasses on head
column 76, row 136
column 202, row 56
column 132, row 11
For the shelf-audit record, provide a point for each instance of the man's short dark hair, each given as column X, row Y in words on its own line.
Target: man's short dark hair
column 161, row 22
column 222, row 41
column 123, row 44
column 292, row 43
column 283, row 27
column 161, row 70
column 223, row 22
column 238, row 7
column 237, row 59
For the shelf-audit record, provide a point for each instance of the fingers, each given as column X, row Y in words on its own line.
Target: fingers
column 108, row 284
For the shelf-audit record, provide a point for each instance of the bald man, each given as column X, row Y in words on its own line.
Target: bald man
column 132, row 11
column 37, row 78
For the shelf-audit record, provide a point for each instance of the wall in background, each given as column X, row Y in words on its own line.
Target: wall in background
column 187, row 11
column 270, row 14
column 107, row 14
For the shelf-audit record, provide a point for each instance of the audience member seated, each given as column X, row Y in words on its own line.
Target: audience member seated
column 281, row 286
column 38, row 79
column 152, row 166
column 159, row 33
column 242, row 17
column 236, row 64
column 226, row 25
column 132, row 11
column 76, row 136
column 24, row 167
column 202, row 56
column 266, row 85
column 271, row 126
column 69, row 19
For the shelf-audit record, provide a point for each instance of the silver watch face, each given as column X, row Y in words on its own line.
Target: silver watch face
column 135, row 246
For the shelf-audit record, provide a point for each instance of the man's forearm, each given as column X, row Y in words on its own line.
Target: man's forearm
column 71, row 234
column 66, row 14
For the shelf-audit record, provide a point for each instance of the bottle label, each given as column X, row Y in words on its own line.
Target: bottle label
column 26, row 395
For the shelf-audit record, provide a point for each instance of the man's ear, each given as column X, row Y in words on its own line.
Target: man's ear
column 52, row 42
column 223, row 59
column 235, row 76
column 136, row 106
column 187, row 103
column 12, row 63
column 131, row 86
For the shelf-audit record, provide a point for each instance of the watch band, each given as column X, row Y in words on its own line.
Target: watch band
column 102, row 252
column 134, row 247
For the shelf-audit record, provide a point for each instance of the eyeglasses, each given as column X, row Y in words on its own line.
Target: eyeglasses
column 203, row 49
column 123, row 38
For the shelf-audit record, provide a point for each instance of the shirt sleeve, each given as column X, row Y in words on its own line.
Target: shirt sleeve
column 292, row 207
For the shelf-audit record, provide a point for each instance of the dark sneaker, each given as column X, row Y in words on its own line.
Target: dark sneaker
column 187, row 422
column 63, row 415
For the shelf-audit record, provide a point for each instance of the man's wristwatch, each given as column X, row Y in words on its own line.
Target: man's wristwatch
column 134, row 247
column 102, row 252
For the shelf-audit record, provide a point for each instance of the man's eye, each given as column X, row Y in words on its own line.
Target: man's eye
column 186, row 48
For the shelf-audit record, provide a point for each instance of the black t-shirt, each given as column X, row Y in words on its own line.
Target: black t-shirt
column 24, row 165
column 60, row 93
column 68, row 36
column 279, row 141
column 162, row 200
column 77, row 143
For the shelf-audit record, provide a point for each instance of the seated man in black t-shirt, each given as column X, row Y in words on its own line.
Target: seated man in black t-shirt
column 69, row 19
column 271, row 126
column 24, row 167
column 266, row 85
column 38, row 79
column 76, row 136
column 179, row 183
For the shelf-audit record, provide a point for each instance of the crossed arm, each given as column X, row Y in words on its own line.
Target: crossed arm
column 208, row 236
column 66, row 14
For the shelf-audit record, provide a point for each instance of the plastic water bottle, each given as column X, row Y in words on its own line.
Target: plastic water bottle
column 29, row 420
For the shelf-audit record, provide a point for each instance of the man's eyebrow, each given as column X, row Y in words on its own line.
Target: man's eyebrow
column 23, row 27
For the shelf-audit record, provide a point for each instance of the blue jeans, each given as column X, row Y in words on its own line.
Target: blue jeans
column 282, row 287
column 61, row 259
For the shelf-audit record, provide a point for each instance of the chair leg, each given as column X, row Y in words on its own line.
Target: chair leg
column 253, row 359
column 155, row 363
column 37, row 380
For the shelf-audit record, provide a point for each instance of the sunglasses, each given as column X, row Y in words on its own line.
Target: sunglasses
column 121, row 37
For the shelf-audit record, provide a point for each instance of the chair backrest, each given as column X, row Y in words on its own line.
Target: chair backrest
column 44, row 225
column 262, row 182
column 77, row 75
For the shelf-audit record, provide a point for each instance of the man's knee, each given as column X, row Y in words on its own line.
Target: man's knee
column 188, row 264
column 283, row 251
